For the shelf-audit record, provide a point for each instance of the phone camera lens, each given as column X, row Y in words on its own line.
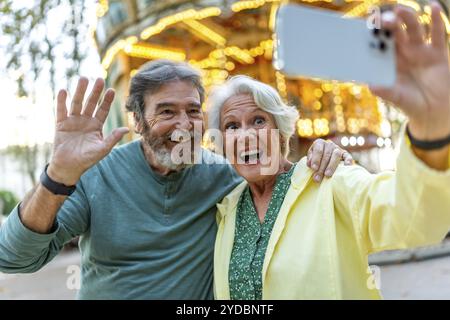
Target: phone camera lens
column 376, row 32
column 382, row 46
column 387, row 33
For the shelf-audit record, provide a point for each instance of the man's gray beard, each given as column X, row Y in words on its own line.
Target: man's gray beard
column 162, row 154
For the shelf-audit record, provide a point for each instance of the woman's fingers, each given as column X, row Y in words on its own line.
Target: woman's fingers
column 438, row 31
column 77, row 101
column 61, row 108
column 415, row 31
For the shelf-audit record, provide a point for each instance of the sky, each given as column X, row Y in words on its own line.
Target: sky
column 21, row 121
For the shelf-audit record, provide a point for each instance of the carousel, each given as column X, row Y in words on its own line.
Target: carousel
column 225, row 38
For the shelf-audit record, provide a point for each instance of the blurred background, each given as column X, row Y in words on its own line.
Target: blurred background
column 46, row 45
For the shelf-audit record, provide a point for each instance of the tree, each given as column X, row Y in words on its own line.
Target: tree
column 33, row 52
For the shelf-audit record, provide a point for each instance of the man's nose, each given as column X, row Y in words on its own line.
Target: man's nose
column 184, row 122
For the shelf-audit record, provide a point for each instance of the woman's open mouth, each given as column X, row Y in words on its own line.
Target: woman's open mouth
column 250, row 157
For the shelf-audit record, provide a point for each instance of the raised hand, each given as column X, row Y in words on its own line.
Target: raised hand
column 422, row 89
column 79, row 141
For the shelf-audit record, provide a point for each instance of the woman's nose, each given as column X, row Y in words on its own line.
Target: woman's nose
column 247, row 135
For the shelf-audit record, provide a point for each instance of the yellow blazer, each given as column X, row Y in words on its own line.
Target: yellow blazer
column 324, row 232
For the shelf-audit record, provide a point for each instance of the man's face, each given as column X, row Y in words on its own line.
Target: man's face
column 170, row 113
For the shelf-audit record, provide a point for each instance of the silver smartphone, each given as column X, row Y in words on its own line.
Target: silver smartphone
column 317, row 43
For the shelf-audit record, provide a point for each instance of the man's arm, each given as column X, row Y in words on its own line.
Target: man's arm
column 37, row 229
column 23, row 250
column 78, row 145
column 39, row 199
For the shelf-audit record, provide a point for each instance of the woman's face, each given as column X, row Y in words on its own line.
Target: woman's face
column 247, row 134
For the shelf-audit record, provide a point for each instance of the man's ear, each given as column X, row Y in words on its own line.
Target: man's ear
column 137, row 123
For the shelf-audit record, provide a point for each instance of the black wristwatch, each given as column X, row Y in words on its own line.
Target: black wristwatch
column 55, row 187
column 427, row 144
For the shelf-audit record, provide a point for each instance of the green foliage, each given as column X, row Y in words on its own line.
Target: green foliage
column 7, row 202
column 31, row 48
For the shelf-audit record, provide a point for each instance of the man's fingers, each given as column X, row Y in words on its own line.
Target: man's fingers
column 317, row 152
column 92, row 101
column 438, row 30
column 103, row 108
column 61, row 108
column 326, row 157
column 415, row 31
column 77, row 101
column 115, row 136
column 334, row 162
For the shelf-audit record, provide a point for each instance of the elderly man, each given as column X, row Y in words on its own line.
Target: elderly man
column 147, row 224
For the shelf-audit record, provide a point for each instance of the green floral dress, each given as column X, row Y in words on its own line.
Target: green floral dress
column 251, row 239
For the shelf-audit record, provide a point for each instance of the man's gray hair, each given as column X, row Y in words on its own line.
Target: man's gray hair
column 265, row 97
column 152, row 75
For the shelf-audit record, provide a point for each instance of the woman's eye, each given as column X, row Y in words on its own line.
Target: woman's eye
column 231, row 126
column 259, row 121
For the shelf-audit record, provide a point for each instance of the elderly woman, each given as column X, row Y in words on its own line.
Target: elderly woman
column 281, row 236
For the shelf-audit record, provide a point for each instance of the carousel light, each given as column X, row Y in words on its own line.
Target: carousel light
column 344, row 141
column 318, row 93
column 360, row 141
column 337, row 100
column 321, row 127
column 305, row 127
column 229, row 66
column 245, row 5
column 133, row 73
column 361, row 9
column 380, row 142
column 205, row 32
column 111, row 53
column 178, row 17
column 102, row 8
column 152, row 52
column 317, row 105
column 273, row 16
column 387, row 142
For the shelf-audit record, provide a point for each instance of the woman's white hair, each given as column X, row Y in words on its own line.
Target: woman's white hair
column 266, row 98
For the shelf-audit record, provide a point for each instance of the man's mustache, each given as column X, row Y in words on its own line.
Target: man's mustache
column 182, row 135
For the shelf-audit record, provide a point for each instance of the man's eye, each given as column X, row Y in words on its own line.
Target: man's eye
column 260, row 120
column 194, row 111
column 167, row 112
